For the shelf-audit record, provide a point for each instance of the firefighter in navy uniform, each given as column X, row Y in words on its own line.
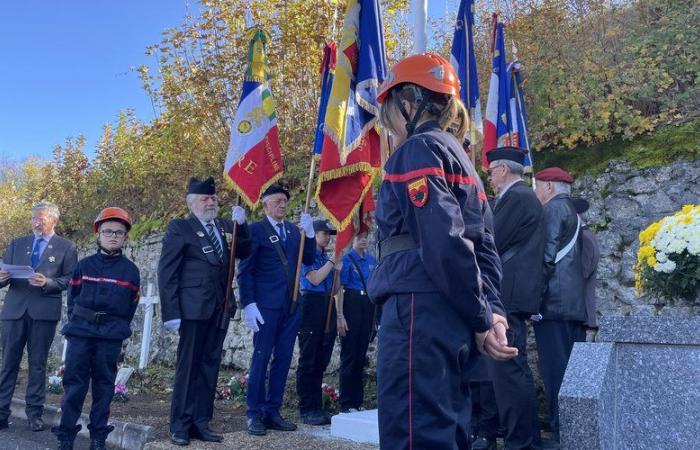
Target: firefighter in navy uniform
column 438, row 307
column 102, row 299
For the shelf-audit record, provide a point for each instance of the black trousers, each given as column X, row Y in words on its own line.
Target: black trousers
column 196, row 373
column 514, row 390
column 315, row 349
column 423, row 374
column 484, row 409
column 88, row 360
column 555, row 340
column 359, row 313
column 37, row 335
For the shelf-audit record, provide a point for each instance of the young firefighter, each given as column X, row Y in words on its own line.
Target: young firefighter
column 102, row 300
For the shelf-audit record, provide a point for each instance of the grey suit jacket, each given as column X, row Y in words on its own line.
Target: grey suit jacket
column 57, row 264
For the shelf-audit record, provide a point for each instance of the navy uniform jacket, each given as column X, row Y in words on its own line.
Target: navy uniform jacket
column 432, row 192
column 192, row 283
column 519, row 224
column 261, row 276
column 56, row 263
column 107, row 284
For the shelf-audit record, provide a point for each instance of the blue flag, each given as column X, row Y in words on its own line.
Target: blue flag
column 518, row 125
column 464, row 61
column 327, row 72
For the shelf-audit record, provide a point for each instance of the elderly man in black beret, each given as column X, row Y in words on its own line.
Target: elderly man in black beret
column 192, row 277
column 519, row 232
column 266, row 282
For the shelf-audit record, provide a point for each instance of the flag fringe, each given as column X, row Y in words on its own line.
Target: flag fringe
column 252, row 205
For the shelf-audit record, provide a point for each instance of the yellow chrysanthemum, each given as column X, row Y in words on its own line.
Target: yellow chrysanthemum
column 651, row 261
column 645, row 252
column 687, row 220
column 687, row 209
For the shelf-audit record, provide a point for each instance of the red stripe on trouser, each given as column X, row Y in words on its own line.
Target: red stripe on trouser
column 410, row 378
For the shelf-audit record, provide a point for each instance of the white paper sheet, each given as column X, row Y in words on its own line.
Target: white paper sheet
column 17, row 271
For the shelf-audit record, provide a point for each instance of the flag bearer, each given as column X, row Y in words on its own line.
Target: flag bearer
column 433, row 245
column 102, row 300
column 315, row 345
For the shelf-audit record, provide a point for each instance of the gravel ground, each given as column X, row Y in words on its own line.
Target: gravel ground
column 306, row 438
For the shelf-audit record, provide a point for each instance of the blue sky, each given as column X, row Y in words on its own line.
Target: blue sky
column 66, row 66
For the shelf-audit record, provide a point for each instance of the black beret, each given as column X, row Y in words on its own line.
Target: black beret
column 323, row 225
column 581, row 204
column 275, row 189
column 205, row 187
column 514, row 154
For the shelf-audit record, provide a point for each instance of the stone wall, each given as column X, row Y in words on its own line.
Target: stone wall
column 623, row 202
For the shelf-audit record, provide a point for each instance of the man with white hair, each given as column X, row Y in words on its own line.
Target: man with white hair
column 266, row 282
column 563, row 307
column 32, row 308
column 192, row 277
column 519, row 233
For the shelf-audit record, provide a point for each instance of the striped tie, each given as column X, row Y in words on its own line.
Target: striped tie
column 215, row 241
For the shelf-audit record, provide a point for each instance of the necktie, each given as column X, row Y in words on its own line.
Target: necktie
column 35, row 252
column 280, row 231
column 215, row 241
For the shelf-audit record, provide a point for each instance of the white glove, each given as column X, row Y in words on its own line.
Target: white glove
column 238, row 215
column 172, row 325
column 307, row 224
column 251, row 315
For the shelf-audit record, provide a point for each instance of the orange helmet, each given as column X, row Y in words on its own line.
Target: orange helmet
column 428, row 70
column 112, row 213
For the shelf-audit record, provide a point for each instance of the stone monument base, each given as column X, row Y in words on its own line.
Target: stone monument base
column 361, row 426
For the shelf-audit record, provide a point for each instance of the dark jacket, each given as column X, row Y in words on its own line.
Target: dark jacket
column 591, row 256
column 191, row 277
column 520, row 241
column 56, row 263
column 432, row 193
column 563, row 281
column 261, row 276
column 103, row 283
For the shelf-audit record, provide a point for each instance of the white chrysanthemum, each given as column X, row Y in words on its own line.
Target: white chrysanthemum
column 667, row 267
column 661, row 257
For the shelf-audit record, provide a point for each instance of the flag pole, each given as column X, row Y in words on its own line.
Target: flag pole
column 421, row 15
column 297, row 274
column 231, row 271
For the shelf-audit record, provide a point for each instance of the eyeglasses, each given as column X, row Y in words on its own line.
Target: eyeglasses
column 491, row 169
column 111, row 233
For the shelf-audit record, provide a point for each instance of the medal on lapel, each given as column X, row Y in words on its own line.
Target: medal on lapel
column 200, row 233
column 52, row 259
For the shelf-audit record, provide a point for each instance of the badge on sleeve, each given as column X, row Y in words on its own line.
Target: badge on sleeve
column 418, row 191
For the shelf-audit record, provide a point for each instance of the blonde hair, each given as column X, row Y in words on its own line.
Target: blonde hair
column 448, row 110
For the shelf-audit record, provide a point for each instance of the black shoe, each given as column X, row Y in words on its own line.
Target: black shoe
column 256, row 426
column 36, row 424
column 65, row 445
column 315, row 418
column 279, row 424
column 96, row 444
column 4, row 424
column 179, row 439
column 482, row 443
column 206, row 435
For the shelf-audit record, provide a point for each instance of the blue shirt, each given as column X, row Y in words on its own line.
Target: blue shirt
column 323, row 287
column 44, row 243
column 349, row 277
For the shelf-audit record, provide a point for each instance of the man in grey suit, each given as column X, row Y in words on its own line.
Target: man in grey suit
column 32, row 308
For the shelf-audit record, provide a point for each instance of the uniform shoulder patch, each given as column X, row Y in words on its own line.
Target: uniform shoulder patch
column 418, row 191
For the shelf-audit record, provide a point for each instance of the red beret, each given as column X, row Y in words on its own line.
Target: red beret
column 554, row 174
